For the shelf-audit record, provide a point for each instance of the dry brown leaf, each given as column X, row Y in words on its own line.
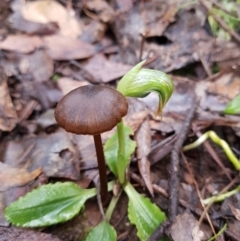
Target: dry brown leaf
column 55, row 153
column 38, row 65
column 8, row 115
column 21, row 43
column 104, row 70
column 214, row 95
column 67, row 84
column 45, row 11
column 65, row 48
column 235, row 212
column 93, row 31
column 103, row 10
column 12, row 177
column 17, row 21
column 186, row 228
column 143, row 139
column 13, row 234
column 157, row 15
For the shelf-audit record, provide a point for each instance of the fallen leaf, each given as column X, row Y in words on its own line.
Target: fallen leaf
column 21, row 43
column 101, row 8
column 214, row 95
column 143, row 139
column 93, row 31
column 186, row 228
column 47, row 119
column 8, row 115
column 123, row 6
column 45, row 11
column 46, row 93
column 67, row 84
column 226, row 54
column 17, row 21
column 235, row 212
column 55, row 153
column 38, row 65
column 66, row 48
column 11, row 177
column 13, row 233
column 104, row 70
column 156, row 16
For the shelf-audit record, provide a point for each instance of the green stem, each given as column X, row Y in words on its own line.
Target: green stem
column 222, row 196
column 219, row 233
column 215, row 138
column 121, row 150
column 112, row 205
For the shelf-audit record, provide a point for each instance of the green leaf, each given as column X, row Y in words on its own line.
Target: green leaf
column 233, row 107
column 48, row 204
column 141, row 82
column 111, row 152
column 102, row 232
column 143, row 213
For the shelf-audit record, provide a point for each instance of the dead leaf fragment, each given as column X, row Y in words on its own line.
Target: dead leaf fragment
column 235, row 211
column 13, row 234
column 186, row 228
column 45, row 11
column 101, row 8
column 67, row 84
column 38, row 65
column 21, row 43
column 8, row 115
column 12, row 177
column 104, row 70
column 65, row 48
column 143, row 139
column 55, row 153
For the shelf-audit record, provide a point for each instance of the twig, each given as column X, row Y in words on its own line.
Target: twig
column 174, row 175
column 184, row 204
column 174, row 164
column 220, row 22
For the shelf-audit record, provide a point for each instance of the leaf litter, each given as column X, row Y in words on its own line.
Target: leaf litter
column 49, row 48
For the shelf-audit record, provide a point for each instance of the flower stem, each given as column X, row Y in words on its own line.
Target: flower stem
column 121, row 151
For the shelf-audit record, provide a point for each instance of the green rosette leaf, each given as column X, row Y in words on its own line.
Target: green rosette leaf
column 48, row 204
column 144, row 214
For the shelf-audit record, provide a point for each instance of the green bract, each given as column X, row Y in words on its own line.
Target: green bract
column 141, row 82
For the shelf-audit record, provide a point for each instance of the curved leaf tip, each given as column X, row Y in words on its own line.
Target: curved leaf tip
column 141, row 82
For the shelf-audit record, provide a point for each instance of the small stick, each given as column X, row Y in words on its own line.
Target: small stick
column 174, row 175
column 159, row 232
column 174, row 164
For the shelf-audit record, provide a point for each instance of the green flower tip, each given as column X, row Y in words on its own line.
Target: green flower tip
column 140, row 82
